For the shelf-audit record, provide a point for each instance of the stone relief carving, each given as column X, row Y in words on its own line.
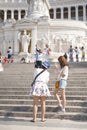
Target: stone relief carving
column 61, row 43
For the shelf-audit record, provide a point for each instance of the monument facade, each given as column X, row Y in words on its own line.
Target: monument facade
column 57, row 23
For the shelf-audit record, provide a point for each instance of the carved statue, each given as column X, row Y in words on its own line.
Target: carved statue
column 25, row 41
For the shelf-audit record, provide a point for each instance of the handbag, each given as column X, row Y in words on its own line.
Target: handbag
column 36, row 77
column 57, row 83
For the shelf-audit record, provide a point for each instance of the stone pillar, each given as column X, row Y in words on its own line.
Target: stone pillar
column 54, row 13
column 12, row 14
column 69, row 12
column 20, row 0
column 33, row 40
column 26, row 13
column 5, row 15
column 84, row 12
column 62, row 14
column 16, row 44
column 77, row 13
column 12, row 0
column 6, row 0
column 4, row 45
column 19, row 14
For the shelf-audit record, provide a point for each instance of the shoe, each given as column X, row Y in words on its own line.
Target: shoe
column 60, row 108
column 43, row 120
column 32, row 120
column 62, row 111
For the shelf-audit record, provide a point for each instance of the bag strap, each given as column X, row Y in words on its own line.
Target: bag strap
column 36, row 77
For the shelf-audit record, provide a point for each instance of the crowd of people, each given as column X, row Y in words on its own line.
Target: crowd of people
column 7, row 59
column 41, row 55
column 73, row 54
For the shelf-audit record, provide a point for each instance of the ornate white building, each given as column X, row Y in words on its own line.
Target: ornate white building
column 59, row 23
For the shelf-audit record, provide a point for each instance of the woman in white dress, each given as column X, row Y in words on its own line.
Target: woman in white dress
column 40, row 90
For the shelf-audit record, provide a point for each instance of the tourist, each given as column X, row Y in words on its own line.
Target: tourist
column 9, row 53
column 40, row 90
column 47, row 52
column 77, row 53
column 65, row 55
column 36, row 54
column 71, row 53
column 5, row 59
column 39, row 59
column 83, row 54
column 1, row 66
column 62, row 77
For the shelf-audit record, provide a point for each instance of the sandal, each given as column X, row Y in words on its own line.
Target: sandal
column 43, row 120
column 32, row 120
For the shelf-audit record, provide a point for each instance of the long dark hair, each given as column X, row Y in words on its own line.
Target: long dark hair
column 63, row 62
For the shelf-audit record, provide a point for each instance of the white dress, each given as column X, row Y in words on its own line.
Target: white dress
column 40, row 88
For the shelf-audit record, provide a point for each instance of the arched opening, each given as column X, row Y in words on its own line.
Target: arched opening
column 22, row 13
column 65, row 13
column 86, row 12
column 80, row 13
column 9, row 14
column 58, row 13
column 1, row 15
column 51, row 13
column 73, row 15
column 16, row 14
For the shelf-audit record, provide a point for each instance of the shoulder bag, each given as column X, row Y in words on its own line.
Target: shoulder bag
column 36, row 77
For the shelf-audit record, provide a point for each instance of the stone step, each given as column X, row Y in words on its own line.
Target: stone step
column 28, row 83
column 48, row 102
column 81, row 93
column 51, row 115
column 20, row 88
column 15, row 84
column 68, row 97
column 29, row 108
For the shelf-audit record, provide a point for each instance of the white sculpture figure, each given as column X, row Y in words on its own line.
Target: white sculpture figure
column 25, row 41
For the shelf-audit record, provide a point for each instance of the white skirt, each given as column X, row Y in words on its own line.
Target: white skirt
column 40, row 89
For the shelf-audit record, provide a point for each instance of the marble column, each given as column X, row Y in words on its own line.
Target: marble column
column 5, row 15
column 16, row 44
column 77, row 13
column 33, row 40
column 12, row 14
column 19, row 14
column 54, row 13
column 69, row 12
column 20, row 0
column 26, row 13
column 62, row 13
column 6, row 0
column 84, row 12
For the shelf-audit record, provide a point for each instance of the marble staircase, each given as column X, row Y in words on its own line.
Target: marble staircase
column 15, row 100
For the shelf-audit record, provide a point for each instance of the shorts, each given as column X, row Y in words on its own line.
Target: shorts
column 9, row 56
column 63, row 83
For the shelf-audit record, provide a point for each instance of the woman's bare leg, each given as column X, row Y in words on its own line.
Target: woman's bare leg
column 35, row 105
column 63, row 98
column 57, row 96
column 43, row 108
